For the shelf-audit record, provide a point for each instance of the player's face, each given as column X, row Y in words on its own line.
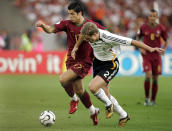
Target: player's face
column 74, row 16
column 152, row 17
column 92, row 38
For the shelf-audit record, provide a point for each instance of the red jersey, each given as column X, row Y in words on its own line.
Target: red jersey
column 85, row 52
column 152, row 36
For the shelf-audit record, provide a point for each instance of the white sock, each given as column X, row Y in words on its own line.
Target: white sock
column 118, row 108
column 75, row 98
column 100, row 94
column 92, row 109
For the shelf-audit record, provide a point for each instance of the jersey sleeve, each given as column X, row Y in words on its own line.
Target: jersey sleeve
column 164, row 33
column 116, row 39
column 60, row 26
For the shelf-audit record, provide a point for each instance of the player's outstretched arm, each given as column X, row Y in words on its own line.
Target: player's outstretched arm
column 46, row 28
column 77, row 44
column 146, row 47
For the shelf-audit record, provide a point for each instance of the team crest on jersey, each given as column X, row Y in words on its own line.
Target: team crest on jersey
column 158, row 33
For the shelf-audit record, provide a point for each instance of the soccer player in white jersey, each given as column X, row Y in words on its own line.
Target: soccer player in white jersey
column 106, row 48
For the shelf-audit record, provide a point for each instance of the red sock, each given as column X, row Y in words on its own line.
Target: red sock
column 85, row 98
column 154, row 90
column 147, row 87
column 69, row 89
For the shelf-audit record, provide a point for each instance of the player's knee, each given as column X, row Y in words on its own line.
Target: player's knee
column 62, row 80
column 155, row 81
column 79, row 91
column 155, row 78
column 92, row 88
column 147, row 79
column 148, row 75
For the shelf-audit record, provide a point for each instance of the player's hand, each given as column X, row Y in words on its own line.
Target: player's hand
column 39, row 23
column 163, row 52
column 159, row 50
column 73, row 53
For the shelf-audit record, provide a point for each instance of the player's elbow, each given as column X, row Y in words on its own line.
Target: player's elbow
column 49, row 31
column 133, row 42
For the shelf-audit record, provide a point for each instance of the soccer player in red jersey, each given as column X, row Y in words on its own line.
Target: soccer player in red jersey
column 152, row 33
column 77, row 69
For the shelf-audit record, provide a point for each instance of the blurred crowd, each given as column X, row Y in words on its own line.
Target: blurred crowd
column 26, row 41
column 123, row 17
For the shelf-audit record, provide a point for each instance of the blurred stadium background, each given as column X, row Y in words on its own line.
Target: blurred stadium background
column 26, row 50
column 123, row 17
column 119, row 16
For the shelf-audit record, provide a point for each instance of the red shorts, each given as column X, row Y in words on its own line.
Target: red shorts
column 152, row 64
column 80, row 68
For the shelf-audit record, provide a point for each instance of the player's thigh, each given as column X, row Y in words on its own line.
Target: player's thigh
column 78, row 86
column 96, row 83
column 156, row 66
column 68, row 76
column 147, row 67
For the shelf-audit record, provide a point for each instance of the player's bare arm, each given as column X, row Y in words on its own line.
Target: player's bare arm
column 45, row 27
column 146, row 47
column 77, row 44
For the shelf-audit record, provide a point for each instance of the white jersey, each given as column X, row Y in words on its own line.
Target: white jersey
column 108, row 46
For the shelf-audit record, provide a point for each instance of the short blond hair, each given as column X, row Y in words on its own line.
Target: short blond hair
column 89, row 29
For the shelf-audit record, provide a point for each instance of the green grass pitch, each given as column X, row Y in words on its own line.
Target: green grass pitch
column 24, row 97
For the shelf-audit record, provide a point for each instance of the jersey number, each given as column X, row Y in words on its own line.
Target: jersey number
column 152, row 36
column 106, row 74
